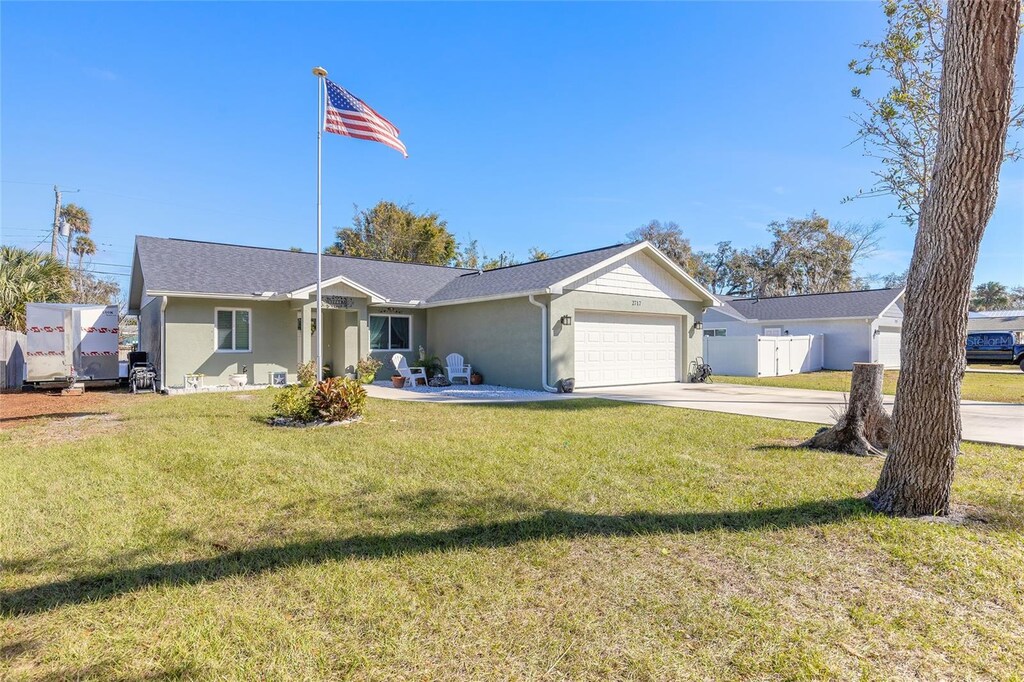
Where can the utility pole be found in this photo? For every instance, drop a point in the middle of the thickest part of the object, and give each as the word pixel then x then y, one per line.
pixel 56 222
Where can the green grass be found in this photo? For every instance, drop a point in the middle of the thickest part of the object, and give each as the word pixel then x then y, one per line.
pixel 1001 388
pixel 562 540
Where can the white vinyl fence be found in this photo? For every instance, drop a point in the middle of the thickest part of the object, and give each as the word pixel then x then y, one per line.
pixel 764 356
pixel 12 359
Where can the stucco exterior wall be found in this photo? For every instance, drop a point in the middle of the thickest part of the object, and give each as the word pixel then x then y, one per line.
pixel 500 339
pixel 191 341
pixel 563 343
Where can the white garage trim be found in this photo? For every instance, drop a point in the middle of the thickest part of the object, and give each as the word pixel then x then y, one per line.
pixel 614 349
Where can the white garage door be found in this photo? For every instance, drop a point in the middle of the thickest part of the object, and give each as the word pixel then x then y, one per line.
pixel 625 348
pixel 889 347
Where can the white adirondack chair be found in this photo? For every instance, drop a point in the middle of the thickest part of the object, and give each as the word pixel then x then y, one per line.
pixel 409 374
pixel 456 367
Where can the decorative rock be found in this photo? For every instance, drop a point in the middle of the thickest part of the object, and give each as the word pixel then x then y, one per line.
pixel 298 424
pixel 439 381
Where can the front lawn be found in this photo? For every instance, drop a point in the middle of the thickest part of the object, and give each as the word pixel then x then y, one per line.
pixel 989 387
pixel 183 538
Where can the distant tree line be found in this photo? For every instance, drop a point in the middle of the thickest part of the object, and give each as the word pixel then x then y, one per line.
pixel 809 255
pixel 804 256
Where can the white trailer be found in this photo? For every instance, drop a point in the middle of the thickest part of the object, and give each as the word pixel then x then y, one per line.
pixel 62 336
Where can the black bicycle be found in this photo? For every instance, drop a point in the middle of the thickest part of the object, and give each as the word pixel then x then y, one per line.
pixel 700 372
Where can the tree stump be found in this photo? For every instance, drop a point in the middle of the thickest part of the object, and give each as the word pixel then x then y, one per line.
pixel 865 428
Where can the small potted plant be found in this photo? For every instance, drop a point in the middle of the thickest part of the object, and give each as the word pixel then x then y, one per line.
pixel 398 381
pixel 476 378
pixel 239 379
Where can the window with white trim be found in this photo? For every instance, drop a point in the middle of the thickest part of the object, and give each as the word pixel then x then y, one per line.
pixel 773 331
pixel 234 326
pixel 714 332
pixel 390 332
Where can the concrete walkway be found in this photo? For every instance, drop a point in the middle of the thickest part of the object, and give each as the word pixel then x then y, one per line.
pixel 1000 423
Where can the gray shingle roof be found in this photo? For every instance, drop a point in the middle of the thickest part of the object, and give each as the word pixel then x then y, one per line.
pixel 814 306
pixel 181 265
pixel 524 278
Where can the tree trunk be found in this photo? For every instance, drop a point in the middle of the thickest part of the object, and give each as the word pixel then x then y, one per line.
pixel 865 428
pixel 977 87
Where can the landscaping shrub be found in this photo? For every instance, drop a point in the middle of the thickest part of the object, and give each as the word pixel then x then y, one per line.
pixel 295 402
pixel 337 399
pixel 307 373
pixel 366 369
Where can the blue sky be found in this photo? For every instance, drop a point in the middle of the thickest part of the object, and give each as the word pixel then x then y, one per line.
pixel 561 126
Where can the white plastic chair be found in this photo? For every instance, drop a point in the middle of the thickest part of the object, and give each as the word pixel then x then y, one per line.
pixel 456 367
pixel 407 373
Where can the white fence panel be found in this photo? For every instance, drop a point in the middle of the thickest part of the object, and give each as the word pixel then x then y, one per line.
pixel 733 355
pixel 764 356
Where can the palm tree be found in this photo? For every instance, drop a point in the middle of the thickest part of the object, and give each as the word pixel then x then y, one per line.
pixel 84 246
pixel 28 277
pixel 990 296
pixel 78 221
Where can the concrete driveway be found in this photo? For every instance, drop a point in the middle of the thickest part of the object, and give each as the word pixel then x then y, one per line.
pixel 1000 423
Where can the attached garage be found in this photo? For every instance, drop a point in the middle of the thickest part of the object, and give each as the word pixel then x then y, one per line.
pixel 614 348
pixel 888 339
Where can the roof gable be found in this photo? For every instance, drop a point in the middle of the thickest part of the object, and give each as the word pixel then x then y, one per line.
pixel 635 275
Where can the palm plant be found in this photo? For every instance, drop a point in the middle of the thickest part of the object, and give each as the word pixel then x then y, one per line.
pixel 990 296
pixel 78 221
pixel 84 246
pixel 28 277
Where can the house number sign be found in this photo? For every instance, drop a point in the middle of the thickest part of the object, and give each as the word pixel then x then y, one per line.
pixel 338 301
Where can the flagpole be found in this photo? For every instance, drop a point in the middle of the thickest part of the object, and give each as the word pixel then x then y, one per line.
pixel 320 74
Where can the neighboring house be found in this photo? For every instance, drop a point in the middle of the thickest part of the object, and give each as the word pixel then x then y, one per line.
pixel 624 314
pixel 858 326
pixel 996 321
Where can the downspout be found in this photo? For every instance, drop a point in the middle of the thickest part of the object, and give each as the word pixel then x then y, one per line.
pixel 543 345
pixel 163 343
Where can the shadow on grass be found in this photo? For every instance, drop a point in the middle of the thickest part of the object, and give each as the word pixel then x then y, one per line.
pixel 51 415
pixel 543 526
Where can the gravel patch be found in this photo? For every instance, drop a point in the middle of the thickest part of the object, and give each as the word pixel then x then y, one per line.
pixel 478 392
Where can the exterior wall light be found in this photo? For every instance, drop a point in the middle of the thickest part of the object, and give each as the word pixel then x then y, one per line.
pixel 698 325
pixel 566 320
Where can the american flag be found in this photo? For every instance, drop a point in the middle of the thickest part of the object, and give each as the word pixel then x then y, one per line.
pixel 348 115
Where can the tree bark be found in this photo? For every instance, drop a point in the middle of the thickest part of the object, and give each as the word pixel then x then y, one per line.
pixel 976 92
pixel 865 428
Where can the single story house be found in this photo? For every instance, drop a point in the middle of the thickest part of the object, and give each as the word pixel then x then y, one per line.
pixel 858 326
pixel 996 321
pixel 623 314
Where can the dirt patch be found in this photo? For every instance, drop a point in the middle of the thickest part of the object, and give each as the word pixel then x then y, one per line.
pixel 18 409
